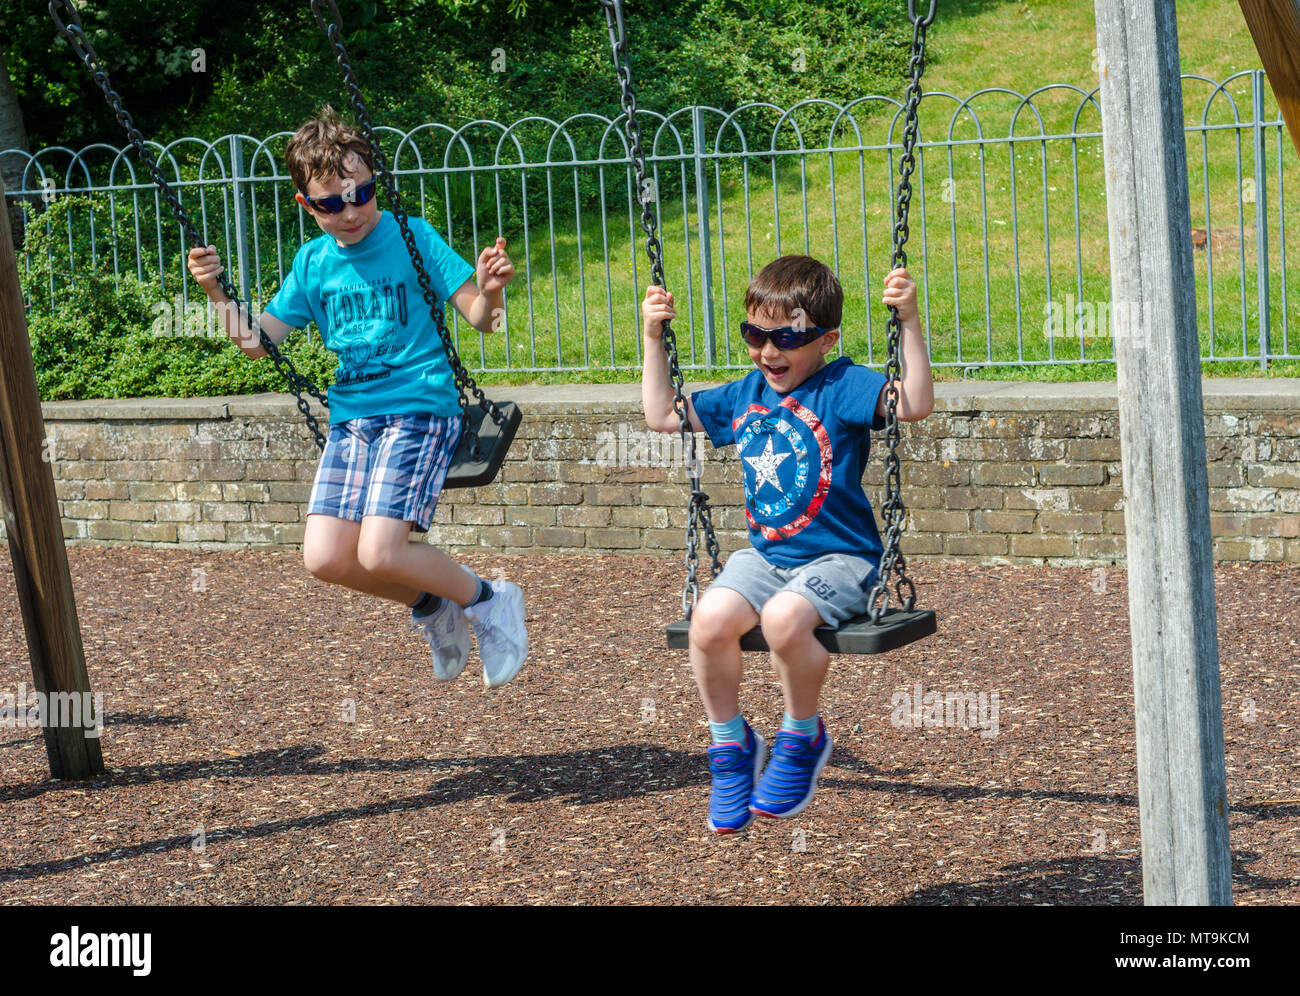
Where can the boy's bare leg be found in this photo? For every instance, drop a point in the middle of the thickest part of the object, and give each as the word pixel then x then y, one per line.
pixel 720 619
pixel 801 661
pixel 329 552
pixel 386 554
pixel 330 549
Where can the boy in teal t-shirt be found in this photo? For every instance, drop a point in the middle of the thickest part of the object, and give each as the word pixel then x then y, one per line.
pixel 395 413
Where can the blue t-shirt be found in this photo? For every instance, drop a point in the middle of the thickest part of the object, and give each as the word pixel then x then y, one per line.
pixel 802 454
pixel 366 301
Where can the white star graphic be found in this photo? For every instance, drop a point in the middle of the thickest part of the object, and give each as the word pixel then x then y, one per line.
pixel 765 465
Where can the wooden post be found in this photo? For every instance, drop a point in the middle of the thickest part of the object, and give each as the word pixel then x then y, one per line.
pixel 36 545
pixel 1275 26
pixel 1181 782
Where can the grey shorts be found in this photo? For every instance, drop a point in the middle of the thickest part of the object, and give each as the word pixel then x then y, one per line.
pixel 837 585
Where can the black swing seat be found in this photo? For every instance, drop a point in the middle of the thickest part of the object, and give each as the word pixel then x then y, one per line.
pixel 494 440
pixel 897 628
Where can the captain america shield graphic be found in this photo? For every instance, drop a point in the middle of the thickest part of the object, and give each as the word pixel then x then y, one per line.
pixel 785 453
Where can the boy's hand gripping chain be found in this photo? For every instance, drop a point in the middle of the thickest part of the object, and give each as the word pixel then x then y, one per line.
pixel 699 512
pixel 65 18
pixel 334 33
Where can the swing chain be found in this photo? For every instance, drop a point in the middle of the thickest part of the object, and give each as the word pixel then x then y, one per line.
pixel 699 513
pixel 464 382
pixel 893 510
pixel 69 25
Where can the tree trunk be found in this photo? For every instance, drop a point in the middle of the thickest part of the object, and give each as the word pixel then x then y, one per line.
pixel 13 135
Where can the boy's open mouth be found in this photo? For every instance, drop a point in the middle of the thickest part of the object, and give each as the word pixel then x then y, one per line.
pixel 776 370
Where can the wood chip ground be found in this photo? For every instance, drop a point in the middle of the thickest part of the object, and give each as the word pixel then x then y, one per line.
pixel 235 778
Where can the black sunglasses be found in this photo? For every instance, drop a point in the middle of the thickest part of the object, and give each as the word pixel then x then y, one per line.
pixel 335 203
pixel 786 337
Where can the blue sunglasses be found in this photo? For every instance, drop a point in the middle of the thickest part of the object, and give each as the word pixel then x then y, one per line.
pixel 335 203
pixel 786 337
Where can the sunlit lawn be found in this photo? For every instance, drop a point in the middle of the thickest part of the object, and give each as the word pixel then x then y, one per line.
pixel 999 242
pixel 995 234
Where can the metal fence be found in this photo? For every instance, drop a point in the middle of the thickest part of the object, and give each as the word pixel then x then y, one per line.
pixel 1008 246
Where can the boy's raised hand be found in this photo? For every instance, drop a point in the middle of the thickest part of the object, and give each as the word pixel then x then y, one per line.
pixel 900 291
pixel 205 266
pixel 656 309
pixel 494 269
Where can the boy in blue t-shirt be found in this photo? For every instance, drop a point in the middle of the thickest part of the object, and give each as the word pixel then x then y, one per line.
pixel 801 427
pixel 395 413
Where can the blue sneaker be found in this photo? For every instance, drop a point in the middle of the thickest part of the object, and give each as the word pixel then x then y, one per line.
pixel 787 784
pixel 735 770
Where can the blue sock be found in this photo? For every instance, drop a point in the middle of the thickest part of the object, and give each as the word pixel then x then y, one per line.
pixel 426 604
pixel 808 727
pixel 730 732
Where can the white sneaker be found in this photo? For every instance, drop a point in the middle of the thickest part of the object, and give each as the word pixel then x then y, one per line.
pixel 502 637
pixel 448 635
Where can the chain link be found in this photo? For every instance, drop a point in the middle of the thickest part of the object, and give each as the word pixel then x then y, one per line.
pixel 65 18
pixel 700 515
pixel 893 510
pixel 464 382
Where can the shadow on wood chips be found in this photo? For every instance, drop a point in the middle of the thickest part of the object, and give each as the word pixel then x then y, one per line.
pixel 271 739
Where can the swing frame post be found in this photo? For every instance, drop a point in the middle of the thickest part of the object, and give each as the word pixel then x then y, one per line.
pixel 1275 27
pixel 36 545
pixel 1182 795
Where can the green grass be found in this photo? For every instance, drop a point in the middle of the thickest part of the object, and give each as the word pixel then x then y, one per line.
pixel 584 316
pixel 970 282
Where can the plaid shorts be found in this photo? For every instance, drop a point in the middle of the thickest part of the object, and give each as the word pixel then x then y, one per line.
pixel 389 465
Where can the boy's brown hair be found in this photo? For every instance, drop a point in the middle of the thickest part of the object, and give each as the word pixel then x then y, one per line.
pixel 320 147
pixel 792 282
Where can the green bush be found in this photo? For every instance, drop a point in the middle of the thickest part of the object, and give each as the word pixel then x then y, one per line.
pixel 555 63
pixel 95 334
pixel 420 62
pixel 110 336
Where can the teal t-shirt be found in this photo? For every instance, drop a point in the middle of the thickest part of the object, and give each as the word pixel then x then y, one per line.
pixel 366 301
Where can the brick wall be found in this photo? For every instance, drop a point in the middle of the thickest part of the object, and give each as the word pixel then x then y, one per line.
pixel 1001 472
